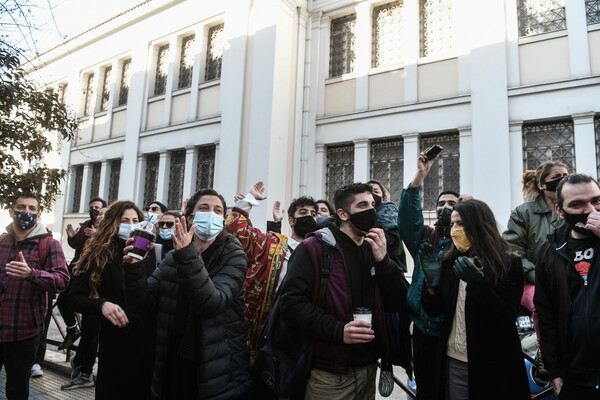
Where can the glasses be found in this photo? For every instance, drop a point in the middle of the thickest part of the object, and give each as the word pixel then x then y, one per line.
pixel 166 224
pixel 154 208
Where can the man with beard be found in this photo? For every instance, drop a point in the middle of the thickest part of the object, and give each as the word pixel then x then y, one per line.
pixel 426 329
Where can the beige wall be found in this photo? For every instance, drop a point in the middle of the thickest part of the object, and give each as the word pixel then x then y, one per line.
pixel 84 134
pixel 594 44
pixel 100 127
pixel 119 120
pixel 208 101
pixel 386 89
pixel 156 114
pixel 546 60
pixel 180 108
pixel 340 97
pixel 438 79
pixel 70 252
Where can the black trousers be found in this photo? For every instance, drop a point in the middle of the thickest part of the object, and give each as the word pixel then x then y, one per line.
pixel 17 359
pixel 88 343
pixel 41 349
pixel 65 311
pixel 425 348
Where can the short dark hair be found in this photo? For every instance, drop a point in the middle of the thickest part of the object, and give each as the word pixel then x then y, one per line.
pixel 175 214
pixel 189 207
pixel 573 179
pixel 452 192
pixel 163 208
pixel 344 196
pixel 300 202
pixel 94 199
pixel 329 206
pixel 26 195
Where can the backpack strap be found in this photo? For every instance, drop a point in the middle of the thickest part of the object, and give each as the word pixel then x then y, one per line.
pixel 325 271
pixel 44 249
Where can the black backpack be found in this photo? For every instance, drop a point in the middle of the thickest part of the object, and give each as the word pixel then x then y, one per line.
pixel 284 358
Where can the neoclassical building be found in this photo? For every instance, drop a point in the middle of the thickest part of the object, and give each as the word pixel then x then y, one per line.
pixel 307 95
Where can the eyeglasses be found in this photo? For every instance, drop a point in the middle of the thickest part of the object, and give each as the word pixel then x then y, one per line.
pixel 166 224
pixel 154 208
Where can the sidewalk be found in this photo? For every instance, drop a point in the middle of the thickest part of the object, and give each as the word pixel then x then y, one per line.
pixel 47 387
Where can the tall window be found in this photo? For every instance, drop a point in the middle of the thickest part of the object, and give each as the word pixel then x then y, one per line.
pixel 205 170
pixel 151 182
pixel 176 179
pixel 105 89
pixel 77 182
pixel 96 170
pixel 162 69
pixel 214 53
pixel 592 10
pixel 89 92
pixel 386 31
pixel 387 165
pixel 125 77
pixel 436 27
pixel 549 141
pixel 115 176
pixel 340 168
pixel 62 92
pixel 541 16
pixel 445 173
pixel 342 43
pixel 597 129
pixel 186 63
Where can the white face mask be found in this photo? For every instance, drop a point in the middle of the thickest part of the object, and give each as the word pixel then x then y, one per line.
pixel 124 231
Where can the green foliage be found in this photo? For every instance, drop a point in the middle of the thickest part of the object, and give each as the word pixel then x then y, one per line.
pixel 28 117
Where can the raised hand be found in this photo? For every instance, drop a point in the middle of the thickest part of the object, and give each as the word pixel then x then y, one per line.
pixel 431 264
pixel 238 197
pixel 182 237
pixel 376 238
pixel 70 231
pixel 278 212
pixel 257 190
pixel 468 271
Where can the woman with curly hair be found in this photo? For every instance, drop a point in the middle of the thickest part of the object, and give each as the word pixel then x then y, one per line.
pixel 126 340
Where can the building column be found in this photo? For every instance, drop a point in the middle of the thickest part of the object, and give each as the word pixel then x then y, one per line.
pixel 189 178
pixel 512 43
pixel 141 183
pixel 466 159
pixel 197 72
pixel 363 57
pixel 104 180
pixel 585 144
pixel 323 64
pixel 162 187
pixel 319 189
pixel 411 155
pixel 173 56
pixel 86 188
pixel 579 51
pixel 411 51
pixel 70 190
pixel 515 137
pixel 362 160
pixel 114 89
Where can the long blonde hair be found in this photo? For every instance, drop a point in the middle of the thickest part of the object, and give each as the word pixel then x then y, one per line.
pixel 102 247
pixel 532 178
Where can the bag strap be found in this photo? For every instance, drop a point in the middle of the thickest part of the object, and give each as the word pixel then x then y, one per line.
pixel 325 271
pixel 44 249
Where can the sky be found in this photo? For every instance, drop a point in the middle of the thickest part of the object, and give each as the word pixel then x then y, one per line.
pixel 53 21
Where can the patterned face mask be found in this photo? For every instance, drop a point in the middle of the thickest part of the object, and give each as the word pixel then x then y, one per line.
pixel 24 220
pixel 460 239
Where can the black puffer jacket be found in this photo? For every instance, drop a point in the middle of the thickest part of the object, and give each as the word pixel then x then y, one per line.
pixel 198 301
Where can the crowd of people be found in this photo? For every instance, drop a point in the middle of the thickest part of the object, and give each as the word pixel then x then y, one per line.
pixel 186 318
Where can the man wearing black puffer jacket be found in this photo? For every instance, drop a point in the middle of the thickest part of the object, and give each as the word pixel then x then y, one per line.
pixel 567 291
pixel 197 296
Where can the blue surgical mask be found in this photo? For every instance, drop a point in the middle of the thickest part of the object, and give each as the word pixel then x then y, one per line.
pixel 124 231
pixel 151 217
pixel 166 233
pixel 208 225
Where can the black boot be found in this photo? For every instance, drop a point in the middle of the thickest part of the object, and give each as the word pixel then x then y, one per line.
pixel 72 335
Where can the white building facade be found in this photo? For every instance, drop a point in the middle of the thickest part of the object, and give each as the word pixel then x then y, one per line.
pixel 174 96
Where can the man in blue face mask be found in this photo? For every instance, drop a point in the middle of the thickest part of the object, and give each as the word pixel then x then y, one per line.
pixel 32 263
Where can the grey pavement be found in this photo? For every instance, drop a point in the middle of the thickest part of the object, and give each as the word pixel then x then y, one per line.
pixel 47 387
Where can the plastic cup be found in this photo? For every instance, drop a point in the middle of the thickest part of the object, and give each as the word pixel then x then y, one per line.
pixel 141 241
pixel 363 314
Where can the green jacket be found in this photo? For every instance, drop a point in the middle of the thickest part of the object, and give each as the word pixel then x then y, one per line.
pixel 528 227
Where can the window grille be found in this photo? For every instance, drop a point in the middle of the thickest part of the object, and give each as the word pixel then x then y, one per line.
pixel 386 34
pixel 205 170
pixel 214 53
pixel 115 176
pixel 162 69
pixel 541 16
pixel 151 181
pixel 592 10
pixel 186 64
pixel 436 27
pixel 95 190
pixel 445 172
pixel 340 168
pixel 125 76
pixel 548 141
pixel 387 165
pixel 176 179
pixel 105 89
pixel 342 44
pixel 62 92
pixel 89 92
pixel 597 129
pixel 77 182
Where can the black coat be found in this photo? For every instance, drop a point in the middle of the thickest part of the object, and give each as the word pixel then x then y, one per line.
pixel 198 302
pixel 125 355
pixel 496 366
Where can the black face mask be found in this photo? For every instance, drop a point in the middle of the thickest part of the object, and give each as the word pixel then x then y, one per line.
pixel 94 215
pixel 444 215
pixel 304 225
pixel 24 220
pixel 378 199
pixel 577 222
pixel 552 185
pixel 364 220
